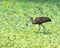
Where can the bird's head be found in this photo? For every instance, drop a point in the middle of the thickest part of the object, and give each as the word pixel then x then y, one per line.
pixel 31 18
pixel 26 24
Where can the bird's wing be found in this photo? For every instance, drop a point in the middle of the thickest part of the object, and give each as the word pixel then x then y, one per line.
pixel 37 19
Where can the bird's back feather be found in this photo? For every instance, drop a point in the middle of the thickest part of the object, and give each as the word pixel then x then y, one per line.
pixel 42 20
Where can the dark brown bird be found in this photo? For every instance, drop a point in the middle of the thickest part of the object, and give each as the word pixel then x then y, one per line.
pixel 39 20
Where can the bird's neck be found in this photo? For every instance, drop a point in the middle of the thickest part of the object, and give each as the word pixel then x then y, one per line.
pixel 33 22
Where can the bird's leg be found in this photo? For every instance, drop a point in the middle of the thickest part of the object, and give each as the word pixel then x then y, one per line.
pixel 39 28
pixel 43 28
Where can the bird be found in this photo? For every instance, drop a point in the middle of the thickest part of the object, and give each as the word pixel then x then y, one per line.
pixel 39 21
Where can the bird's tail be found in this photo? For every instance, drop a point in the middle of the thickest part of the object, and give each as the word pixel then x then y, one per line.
pixel 49 19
